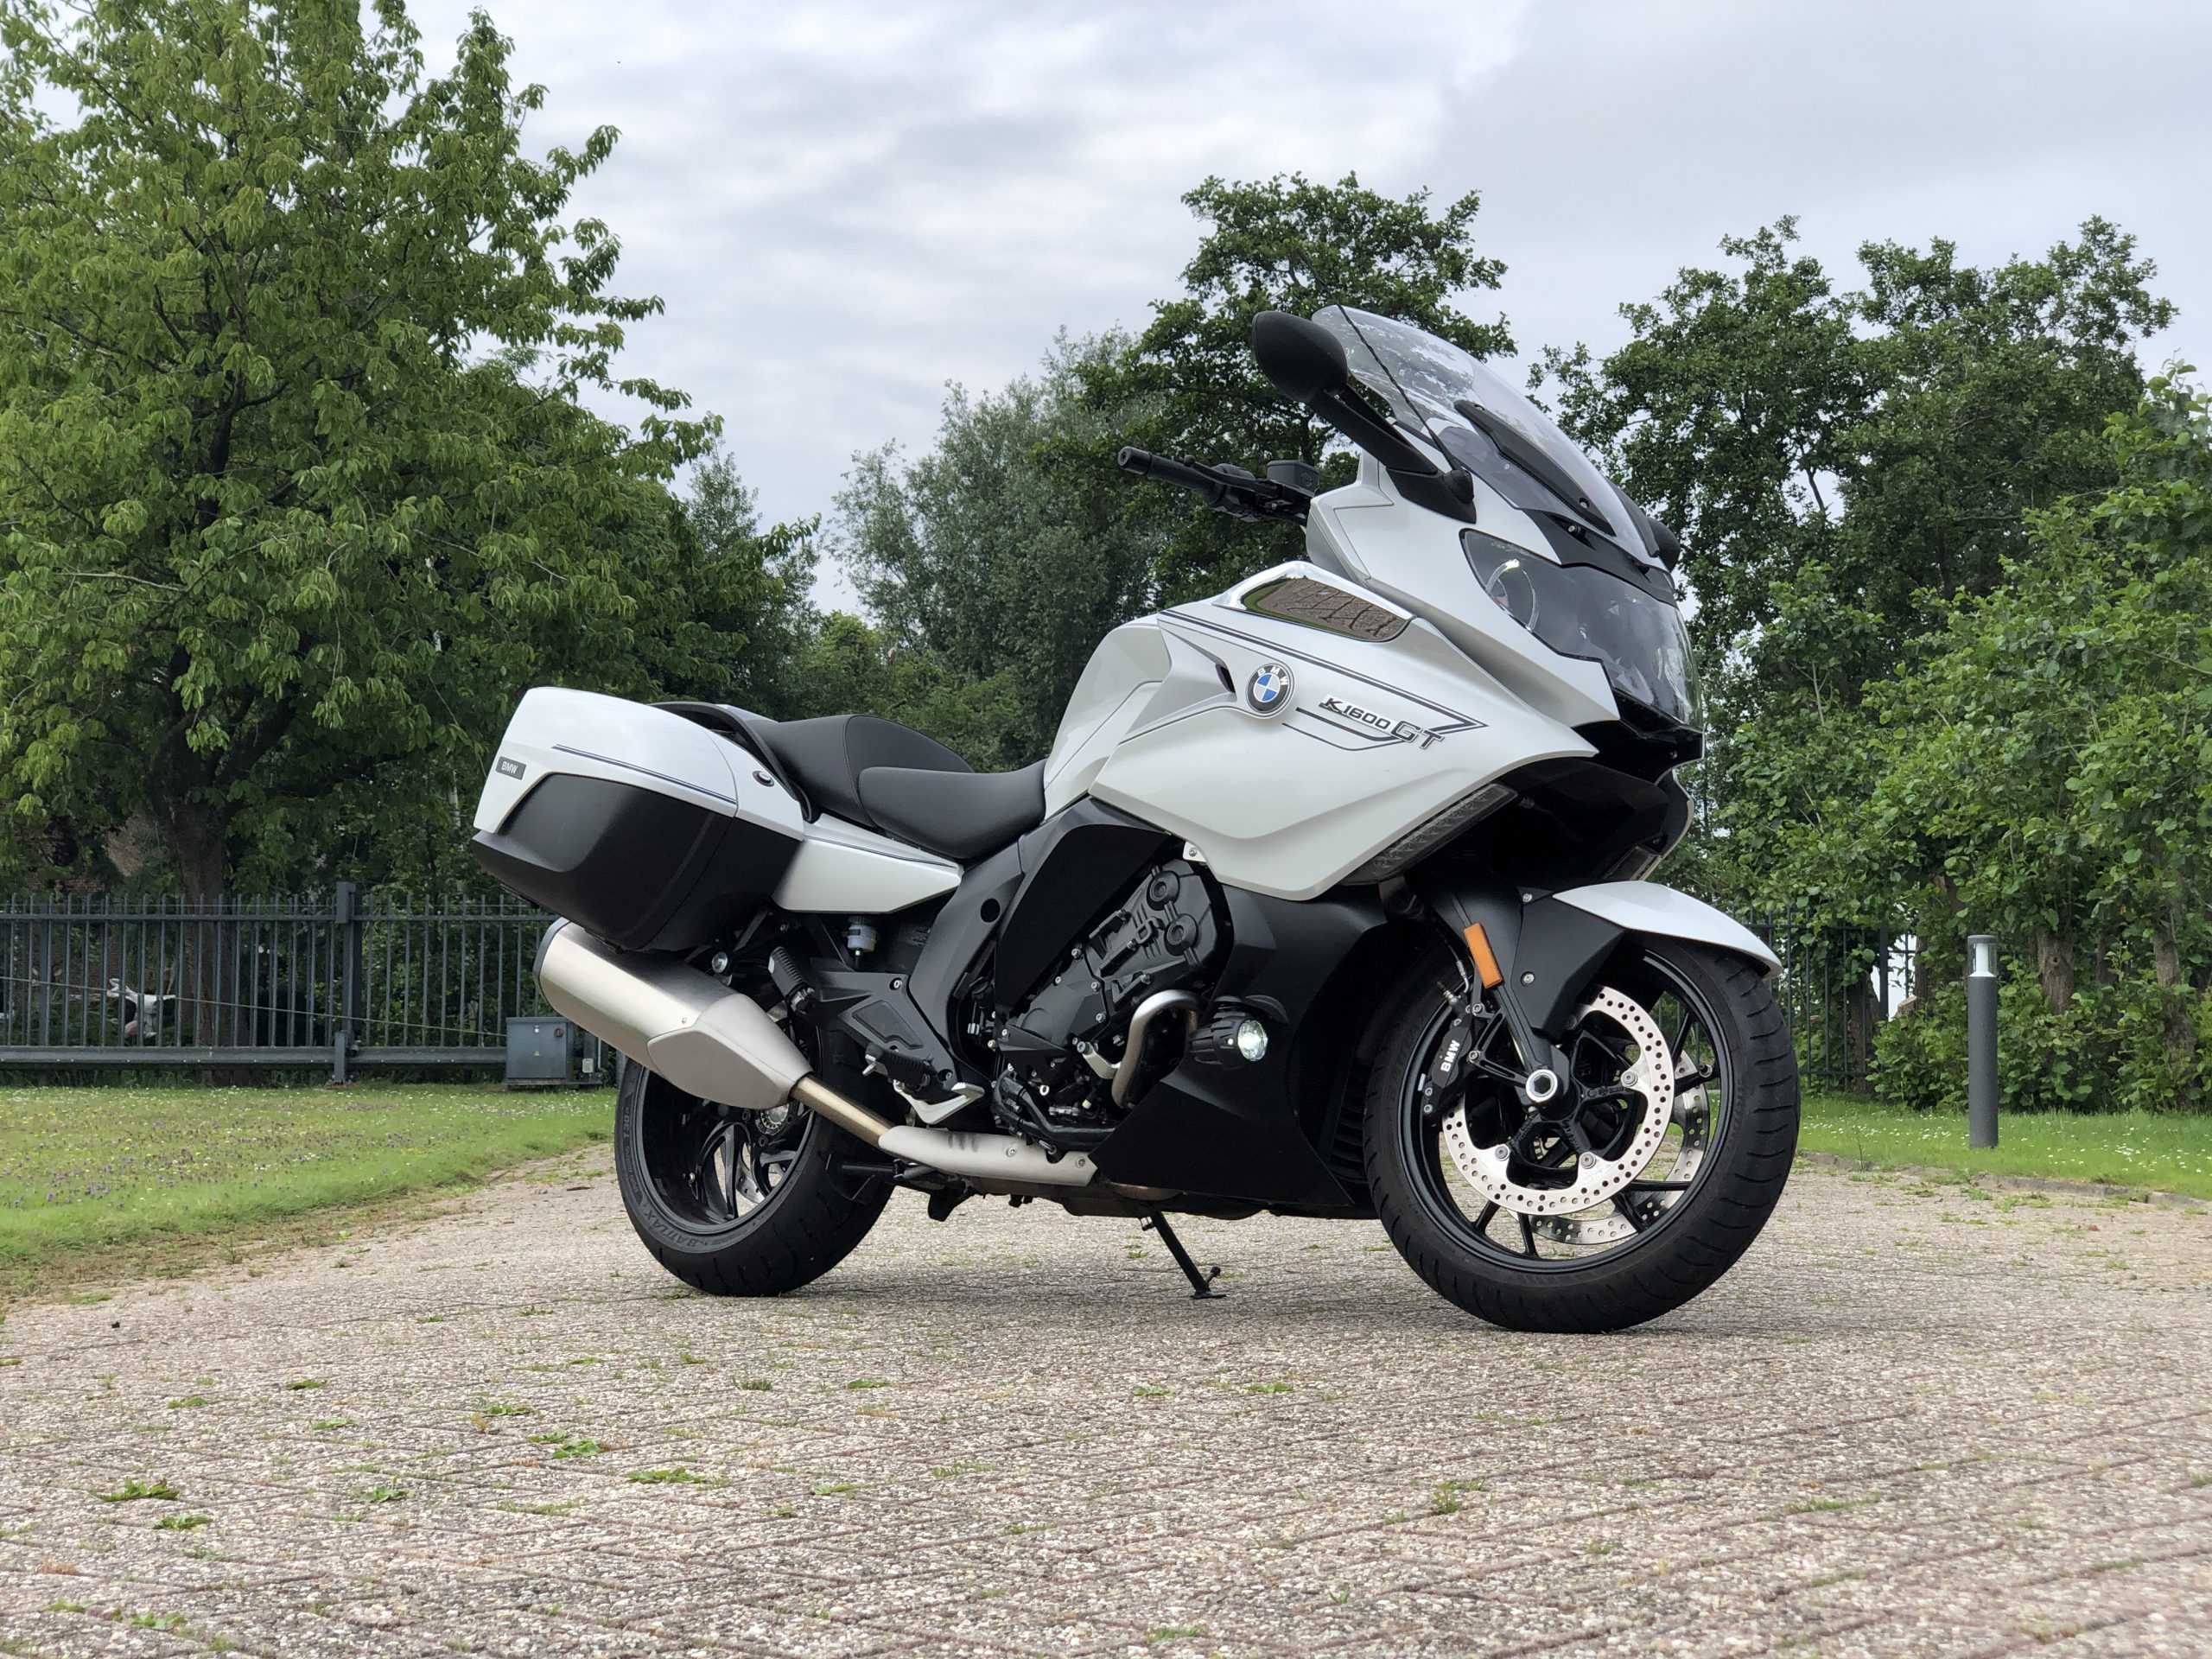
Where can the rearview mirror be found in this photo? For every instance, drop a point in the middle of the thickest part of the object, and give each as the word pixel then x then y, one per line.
pixel 1307 363
pixel 1304 360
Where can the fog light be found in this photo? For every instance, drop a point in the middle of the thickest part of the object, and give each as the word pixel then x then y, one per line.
pixel 1252 1040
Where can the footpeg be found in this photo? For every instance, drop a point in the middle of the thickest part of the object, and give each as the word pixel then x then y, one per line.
pixel 1201 1288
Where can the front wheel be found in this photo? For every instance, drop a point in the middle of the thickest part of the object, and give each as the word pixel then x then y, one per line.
pixel 739 1202
pixel 1626 1192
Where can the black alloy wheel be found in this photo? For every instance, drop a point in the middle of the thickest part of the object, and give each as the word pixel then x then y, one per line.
pixel 1621 1195
pixel 740 1203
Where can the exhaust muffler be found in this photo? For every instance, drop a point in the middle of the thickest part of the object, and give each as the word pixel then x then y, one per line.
pixel 689 1028
pixel 721 1045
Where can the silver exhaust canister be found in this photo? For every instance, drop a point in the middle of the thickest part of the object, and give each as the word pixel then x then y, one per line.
pixel 719 1044
pixel 689 1028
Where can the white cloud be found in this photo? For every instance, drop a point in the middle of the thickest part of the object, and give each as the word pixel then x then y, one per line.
pixel 845 205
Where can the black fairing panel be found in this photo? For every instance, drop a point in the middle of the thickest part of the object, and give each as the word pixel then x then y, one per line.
pixel 1076 864
pixel 641 870
pixel 1225 1128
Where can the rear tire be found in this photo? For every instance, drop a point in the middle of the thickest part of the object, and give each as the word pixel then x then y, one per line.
pixel 804 1214
pixel 1677 1250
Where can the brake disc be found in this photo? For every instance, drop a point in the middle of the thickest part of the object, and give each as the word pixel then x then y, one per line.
pixel 1596 1178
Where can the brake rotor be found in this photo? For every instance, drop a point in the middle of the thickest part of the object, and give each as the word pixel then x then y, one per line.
pixel 1596 1178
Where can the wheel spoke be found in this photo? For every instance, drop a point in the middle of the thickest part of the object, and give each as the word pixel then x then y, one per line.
pixel 1483 1221
pixel 1527 1236
pixel 1641 1186
pixel 1627 1207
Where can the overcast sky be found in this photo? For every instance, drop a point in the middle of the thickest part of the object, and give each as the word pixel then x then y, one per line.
pixel 847 205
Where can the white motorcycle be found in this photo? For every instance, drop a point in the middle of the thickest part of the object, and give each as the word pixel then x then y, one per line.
pixel 1329 900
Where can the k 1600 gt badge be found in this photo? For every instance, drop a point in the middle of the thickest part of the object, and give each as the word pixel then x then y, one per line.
pixel 1269 690
pixel 1382 725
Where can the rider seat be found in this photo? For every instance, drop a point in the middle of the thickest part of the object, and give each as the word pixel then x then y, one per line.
pixel 888 777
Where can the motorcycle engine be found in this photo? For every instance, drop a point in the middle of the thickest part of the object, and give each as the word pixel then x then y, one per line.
pixel 1057 1051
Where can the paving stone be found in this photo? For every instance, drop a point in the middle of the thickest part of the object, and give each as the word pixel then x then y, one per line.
pixel 1913 1421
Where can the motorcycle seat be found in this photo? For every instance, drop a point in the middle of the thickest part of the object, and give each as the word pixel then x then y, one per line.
pixel 825 757
pixel 959 815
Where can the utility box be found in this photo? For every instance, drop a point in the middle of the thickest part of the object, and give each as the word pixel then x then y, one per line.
pixel 543 1054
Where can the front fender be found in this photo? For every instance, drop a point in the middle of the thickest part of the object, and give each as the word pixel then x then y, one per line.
pixel 1548 947
pixel 1647 907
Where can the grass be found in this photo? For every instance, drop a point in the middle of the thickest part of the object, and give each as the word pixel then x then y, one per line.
pixel 114 1181
pixel 2165 1155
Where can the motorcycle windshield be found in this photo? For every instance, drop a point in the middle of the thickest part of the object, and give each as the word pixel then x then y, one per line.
pixel 1435 387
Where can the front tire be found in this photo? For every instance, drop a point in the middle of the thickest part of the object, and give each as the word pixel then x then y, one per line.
pixel 736 1202
pixel 1481 1191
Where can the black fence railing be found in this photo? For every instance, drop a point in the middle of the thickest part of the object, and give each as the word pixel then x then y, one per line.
pixel 349 981
pixel 1836 987
pixel 353 981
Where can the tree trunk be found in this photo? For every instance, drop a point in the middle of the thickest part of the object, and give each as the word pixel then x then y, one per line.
pixel 2180 1032
pixel 192 834
pixel 2054 970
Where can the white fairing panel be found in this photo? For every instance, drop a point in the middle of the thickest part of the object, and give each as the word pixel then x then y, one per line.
pixel 1128 661
pixel 584 734
pixel 1647 907
pixel 841 866
pixel 1373 737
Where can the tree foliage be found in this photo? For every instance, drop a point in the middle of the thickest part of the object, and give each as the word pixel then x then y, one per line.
pixel 296 483
pixel 1000 552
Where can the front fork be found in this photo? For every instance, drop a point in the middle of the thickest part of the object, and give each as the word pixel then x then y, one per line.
pixel 1533 958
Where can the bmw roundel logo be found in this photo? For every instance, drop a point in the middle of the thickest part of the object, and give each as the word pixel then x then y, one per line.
pixel 1269 690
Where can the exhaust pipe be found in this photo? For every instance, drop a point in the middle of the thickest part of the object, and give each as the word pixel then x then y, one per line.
pixel 689 1028
pixel 721 1045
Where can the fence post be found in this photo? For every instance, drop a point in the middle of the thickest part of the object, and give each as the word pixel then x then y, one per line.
pixel 1982 1040
pixel 346 917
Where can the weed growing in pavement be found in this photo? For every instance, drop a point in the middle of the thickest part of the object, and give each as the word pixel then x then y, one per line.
pixel 301 1384
pixel 188 1401
pixel 183 1523
pixel 868 1383
pixel 383 1493
pixel 756 1385
pixel 569 1445
pixel 1268 1387
pixel 951 1470
pixel 1826 1505
pixel 1172 1633
pixel 1141 1392
pixel 834 1489
pixel 679 1476
pixel 541 1509
pixel 335 1422
pixel 67 1607
pixel 135 1487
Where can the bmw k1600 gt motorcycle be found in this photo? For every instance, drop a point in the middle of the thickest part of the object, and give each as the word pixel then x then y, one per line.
pixel 1328 901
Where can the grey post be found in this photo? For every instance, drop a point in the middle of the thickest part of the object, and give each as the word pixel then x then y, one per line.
pixel 345 953
pixel 1982 1040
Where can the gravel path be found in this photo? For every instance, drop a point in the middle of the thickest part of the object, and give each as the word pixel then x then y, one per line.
pixel 1916 1421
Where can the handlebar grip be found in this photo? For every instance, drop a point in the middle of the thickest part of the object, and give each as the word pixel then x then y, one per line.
pixel 1145 464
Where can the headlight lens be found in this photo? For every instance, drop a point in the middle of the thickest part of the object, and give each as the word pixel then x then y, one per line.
pixel 1581 611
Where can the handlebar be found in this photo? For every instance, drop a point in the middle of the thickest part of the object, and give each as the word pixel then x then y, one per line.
pixel 1225 489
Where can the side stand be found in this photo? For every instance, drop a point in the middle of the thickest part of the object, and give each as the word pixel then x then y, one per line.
pixel 1201 1288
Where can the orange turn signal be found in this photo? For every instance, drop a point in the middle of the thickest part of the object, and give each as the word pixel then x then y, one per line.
pixel 1485 958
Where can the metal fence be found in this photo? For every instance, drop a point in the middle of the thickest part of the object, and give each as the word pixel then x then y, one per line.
pixel 355 980
pixel 347 981
pixel 1836 987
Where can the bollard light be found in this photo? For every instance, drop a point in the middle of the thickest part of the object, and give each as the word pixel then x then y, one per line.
pixel 1982 1040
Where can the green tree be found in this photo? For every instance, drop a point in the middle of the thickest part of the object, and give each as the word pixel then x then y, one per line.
pixel 2044 773
pixel 1843 467
pixel 1002 553
pixel 1188 388
pixel 296 486
pixel 756 605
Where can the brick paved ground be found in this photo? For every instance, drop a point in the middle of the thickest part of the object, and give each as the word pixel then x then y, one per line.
pixel 1912 1422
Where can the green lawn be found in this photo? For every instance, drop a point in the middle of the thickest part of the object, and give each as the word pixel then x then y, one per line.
pixel 2167 1155
pixel 134 1177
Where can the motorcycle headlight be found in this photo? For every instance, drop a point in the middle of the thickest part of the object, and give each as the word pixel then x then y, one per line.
pixel 1581 611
